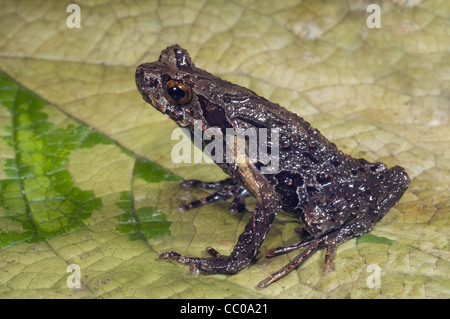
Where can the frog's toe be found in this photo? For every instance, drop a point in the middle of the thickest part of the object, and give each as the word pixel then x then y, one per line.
pixel 224 190
pixel 311 247
pixel 215 264
pixel 217 196
pixel 180 258
pixel 285 249
pixel 204 185
pixel 329 258
pixel 212 252
pixel 238 205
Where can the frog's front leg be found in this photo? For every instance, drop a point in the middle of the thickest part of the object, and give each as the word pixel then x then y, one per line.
pixel 248 243
pixel 224 190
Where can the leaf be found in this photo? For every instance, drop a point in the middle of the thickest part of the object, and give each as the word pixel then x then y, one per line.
pixel 39 192
pixel 369 238
pixel 143 223
pixel 85 166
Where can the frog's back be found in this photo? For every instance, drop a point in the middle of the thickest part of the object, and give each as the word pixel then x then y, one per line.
pixel 310 166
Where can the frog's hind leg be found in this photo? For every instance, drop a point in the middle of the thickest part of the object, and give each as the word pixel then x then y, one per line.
pixel 311 245
pixel 285 249
pixel 224 190
pixel 329 258
pixel 330 241
pixel 355 227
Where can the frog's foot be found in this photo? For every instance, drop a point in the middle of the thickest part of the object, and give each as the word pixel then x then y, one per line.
pixel 330 241
pixel 310 245
pixel 215 264
pixel 224 190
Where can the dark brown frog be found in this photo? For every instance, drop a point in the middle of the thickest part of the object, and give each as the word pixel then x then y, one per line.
pixel 336 196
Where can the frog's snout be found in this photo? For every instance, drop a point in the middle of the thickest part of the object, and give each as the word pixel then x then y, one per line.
pixel 140 80
pixel 138 77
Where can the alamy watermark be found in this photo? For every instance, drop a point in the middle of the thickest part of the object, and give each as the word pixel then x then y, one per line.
pixel 74 19
pixel 239 146
pixel 374 19
pixel 74 279
pixel 374 279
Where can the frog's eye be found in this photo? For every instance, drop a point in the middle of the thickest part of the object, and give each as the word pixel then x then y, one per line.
pixel 178 93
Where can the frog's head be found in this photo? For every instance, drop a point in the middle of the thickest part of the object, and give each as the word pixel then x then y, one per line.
pixel 171 85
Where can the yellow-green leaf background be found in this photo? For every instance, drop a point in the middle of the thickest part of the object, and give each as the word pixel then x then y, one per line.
pixel 382 94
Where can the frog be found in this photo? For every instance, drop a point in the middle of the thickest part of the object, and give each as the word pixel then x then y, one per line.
pixel 336 197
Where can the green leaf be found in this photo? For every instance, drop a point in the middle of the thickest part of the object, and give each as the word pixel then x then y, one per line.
pixel 39 193
pixel 153 173
pixel 95 138
pixel 143 223
pixel 369 238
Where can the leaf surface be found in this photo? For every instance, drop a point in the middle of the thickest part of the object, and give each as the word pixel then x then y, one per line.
pixel 86 175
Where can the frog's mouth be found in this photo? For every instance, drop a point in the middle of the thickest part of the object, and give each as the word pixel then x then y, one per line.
pixel 174 114
pixel 147 98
